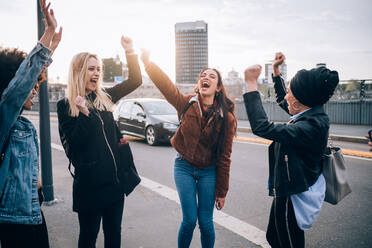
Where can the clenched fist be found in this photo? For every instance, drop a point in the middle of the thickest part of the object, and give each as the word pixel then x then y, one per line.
pixel 279 59
pixel 126 43
pixel 251 75
pixel 81 105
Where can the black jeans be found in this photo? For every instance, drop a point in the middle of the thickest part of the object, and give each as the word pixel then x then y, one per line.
pixel 24 236
pixel 111 222
pixel 283 231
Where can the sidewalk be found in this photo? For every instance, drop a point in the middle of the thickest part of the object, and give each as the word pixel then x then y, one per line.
pixel 338 132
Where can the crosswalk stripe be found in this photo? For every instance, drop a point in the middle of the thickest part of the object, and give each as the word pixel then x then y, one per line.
pixel 243 229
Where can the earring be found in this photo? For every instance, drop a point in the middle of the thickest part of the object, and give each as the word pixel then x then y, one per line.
pixel 294 107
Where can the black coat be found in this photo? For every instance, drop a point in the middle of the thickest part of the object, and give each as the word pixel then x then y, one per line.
pixel 295 155
pixel 92 145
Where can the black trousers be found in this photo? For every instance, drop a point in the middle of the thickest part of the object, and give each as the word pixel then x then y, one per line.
pixel 24 236
pixel 283 231
pixel 111 223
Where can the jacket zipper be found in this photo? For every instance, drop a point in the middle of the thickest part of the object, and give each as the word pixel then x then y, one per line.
pixel 108 145
pixel 275 219
pixel 286 163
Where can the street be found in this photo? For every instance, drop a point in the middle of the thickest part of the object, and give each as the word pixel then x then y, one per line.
pixel 152 220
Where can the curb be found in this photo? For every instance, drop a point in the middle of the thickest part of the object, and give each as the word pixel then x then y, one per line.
pixel 349 152
pixel 334 137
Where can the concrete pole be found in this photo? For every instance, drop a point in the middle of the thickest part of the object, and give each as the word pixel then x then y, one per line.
pixel 44 124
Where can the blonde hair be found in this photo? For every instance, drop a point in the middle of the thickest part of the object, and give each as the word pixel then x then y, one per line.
pixel 76 85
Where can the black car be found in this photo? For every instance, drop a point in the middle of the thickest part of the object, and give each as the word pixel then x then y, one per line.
pixel 152 119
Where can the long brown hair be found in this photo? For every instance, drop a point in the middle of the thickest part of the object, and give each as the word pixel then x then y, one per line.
pixel 224 103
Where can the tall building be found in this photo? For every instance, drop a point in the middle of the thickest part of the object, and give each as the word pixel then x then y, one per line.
pixel 269 70
pixel 191 50
pixel 321 64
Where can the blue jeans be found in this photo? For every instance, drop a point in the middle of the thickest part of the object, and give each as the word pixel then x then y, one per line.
pixel 195 189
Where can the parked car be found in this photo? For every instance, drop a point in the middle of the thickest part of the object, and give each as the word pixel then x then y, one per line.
pixel 152 119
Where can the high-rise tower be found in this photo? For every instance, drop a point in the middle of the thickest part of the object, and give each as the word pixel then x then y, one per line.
pixel 191 50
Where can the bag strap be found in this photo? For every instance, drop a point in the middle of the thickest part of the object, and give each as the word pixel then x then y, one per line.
pixel 69 168
pixel 2 155
pixel 185 109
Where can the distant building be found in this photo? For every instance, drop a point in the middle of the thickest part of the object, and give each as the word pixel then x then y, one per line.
pixel 321 64
pixel 234 85
pixel 269 71
pixel 191 50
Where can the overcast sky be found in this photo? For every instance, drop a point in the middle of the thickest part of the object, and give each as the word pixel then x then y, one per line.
pixel 241 32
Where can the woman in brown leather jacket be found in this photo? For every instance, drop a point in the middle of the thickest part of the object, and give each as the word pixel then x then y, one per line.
pixel 203 142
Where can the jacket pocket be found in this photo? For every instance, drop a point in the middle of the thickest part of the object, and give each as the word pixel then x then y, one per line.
pixel 21 142
pixel 7 196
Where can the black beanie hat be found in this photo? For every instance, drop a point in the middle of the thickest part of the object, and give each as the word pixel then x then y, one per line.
pixel 314 87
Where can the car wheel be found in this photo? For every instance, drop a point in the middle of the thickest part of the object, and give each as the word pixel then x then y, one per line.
pixel 151 138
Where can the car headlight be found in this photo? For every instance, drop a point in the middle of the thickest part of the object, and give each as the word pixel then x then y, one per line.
pixel 168 125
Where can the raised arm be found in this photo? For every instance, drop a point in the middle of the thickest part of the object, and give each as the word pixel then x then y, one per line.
pixel 27 74
pixel 164 84
pixel 279 85
pixel 134 79
pixel 300 133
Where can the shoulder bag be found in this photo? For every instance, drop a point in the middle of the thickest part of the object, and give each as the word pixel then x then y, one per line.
pixel 335 174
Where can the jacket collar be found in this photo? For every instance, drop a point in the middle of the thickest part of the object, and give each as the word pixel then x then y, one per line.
pixel 313 111
pixel 195 98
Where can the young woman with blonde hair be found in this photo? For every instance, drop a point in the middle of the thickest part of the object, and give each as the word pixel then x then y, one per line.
pixel 90 138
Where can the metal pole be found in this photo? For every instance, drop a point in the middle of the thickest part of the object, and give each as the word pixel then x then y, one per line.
pixel 44 124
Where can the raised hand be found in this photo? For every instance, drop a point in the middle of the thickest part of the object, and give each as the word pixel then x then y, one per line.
pixel 81 105
pixel 126 43
pixel 56 39
pixel 145 56
pixel 50 23
pixel 279 59
pixel 48 15
pixel 251 75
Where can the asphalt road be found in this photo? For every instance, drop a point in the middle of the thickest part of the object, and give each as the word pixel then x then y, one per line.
pixel 151 220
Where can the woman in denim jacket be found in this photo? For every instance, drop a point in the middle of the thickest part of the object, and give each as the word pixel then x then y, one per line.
pixel 21 220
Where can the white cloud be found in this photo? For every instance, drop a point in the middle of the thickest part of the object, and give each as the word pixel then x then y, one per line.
pixel 241 32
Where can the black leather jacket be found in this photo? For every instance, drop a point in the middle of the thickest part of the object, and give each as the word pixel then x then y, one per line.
pixel 295 155
pixel 91 142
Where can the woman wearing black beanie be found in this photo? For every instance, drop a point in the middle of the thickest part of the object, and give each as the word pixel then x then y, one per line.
pixel 295 171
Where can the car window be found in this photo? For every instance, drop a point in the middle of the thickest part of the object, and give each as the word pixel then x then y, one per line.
pixel 160 108
pixel 125 109
pixel 136 109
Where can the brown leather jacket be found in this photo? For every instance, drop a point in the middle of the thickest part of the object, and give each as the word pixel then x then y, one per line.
pixel 194 143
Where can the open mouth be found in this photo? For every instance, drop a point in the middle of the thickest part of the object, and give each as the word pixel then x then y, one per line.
pixel 205 85
pixel 93 80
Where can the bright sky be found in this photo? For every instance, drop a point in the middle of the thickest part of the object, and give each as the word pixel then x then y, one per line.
pixel 241 32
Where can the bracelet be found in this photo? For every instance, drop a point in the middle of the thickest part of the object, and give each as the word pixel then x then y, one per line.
pixel 129 51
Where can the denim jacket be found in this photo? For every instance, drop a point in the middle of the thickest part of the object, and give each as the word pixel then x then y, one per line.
pixel 19 171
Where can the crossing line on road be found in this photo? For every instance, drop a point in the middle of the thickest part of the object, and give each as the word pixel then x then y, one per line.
pixel 243 229
pixel 247 231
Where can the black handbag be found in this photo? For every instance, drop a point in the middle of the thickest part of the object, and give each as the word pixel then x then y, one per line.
pixel 127 173
pixel 334 172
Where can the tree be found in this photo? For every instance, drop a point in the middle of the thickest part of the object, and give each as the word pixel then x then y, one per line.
pixel 111 67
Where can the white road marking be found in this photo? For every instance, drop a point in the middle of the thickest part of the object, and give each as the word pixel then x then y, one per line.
pixel 259 144
pixel 245 230
pixel 250 143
